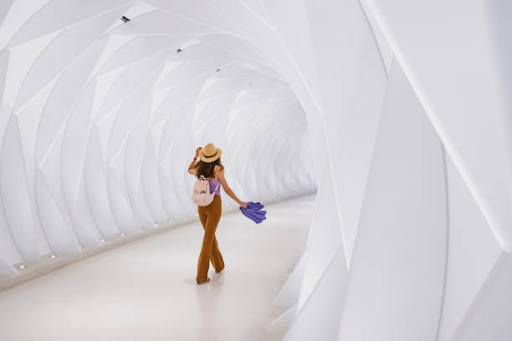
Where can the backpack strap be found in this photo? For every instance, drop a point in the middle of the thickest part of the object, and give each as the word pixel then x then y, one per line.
pixel 218 183
pixel 216 186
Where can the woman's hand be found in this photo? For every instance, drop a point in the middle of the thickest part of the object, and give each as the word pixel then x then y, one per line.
pixel 243 204
pixel 197 151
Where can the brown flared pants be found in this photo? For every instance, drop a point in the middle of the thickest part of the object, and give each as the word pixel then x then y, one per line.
pixel 209 216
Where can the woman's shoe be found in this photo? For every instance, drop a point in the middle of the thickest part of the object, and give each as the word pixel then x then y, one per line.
pixel 207 280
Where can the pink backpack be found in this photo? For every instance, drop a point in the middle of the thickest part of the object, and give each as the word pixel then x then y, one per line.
pixel 201 195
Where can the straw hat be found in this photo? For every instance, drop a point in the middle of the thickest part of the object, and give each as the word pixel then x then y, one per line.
pixel 209 153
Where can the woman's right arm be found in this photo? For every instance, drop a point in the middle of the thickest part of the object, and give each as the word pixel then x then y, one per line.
pixel 193 164
pixel 228 190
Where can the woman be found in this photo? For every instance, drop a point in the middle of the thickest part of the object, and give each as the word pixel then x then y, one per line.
pixel 210 167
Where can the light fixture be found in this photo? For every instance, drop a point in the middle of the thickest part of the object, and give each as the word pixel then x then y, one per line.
pixel 121 234
pixel 155 225
pixel 125 19
pixel 102 240
pixel 53 256
pixel 80 248
pixel 218 70
pixel 22 266
pixel 178 50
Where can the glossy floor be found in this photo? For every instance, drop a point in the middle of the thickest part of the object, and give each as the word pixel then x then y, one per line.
pixel 146 290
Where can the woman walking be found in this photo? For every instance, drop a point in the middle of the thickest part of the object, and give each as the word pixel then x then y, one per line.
pixel 210 167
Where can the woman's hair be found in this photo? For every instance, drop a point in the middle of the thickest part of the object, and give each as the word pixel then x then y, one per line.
pixel 207 169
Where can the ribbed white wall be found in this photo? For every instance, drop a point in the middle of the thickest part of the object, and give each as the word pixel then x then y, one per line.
pixel 400 108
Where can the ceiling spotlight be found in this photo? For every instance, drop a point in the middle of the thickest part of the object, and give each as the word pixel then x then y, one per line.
pixel 53 256
pixel 156 225
pixel 121 234
pixel 22 266
pixel 171 221
pixel 125 19
pixel 102 240
pixel 178 50
pixel 80 248
pixel 218 70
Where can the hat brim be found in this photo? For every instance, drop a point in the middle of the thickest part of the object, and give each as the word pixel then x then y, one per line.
pixel 218 153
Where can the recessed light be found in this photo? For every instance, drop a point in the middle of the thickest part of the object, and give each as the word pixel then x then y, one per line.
pixel 80 248
pixel 53 256
pixel 102 240
pixel 22 266
pixel 121 234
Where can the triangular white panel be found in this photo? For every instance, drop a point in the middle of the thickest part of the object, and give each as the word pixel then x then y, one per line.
pixel 16 195
pixel 97 188
pixel 477 74
pixel 399 262
pixel 57 229
pixel 68 88
pixel 320 316
pixel 120 205
pixel 87 230
pixel 10 22
pixel 9 253
pixel 60 53
pixel 151 184
pixel 20 63
pixel 286 318
pixel 352 82
pixel 489 315
pixel 325 239
pixel 472 253
pixel 75 144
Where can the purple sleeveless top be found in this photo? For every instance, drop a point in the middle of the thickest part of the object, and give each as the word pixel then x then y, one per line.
pixel 213 183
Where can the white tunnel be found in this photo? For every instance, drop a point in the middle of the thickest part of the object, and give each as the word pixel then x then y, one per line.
pixel 397 113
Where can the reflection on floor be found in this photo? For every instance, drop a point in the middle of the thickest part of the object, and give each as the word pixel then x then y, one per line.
pixel 146 290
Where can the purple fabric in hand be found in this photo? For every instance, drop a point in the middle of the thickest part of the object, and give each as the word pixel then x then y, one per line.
pixel 253 212
pixel 254 205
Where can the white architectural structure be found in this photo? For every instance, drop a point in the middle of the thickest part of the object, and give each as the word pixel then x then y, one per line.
pixel 399 111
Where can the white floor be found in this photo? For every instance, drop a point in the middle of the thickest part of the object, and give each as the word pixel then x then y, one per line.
pixel 146 290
